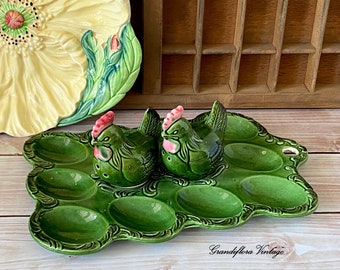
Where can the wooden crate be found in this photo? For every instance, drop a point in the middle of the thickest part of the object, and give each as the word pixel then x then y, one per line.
pixel 247 54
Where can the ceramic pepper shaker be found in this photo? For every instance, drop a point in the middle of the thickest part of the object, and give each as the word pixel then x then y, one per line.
pixel 193 150
pixel 125 157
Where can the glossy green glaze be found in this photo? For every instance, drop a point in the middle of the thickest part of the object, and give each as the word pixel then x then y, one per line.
pixel 252 157
pixel 193 150
pixel 274 191
pixel 125 157
pixel 80 211
pixel 209 202
pixel 151 215
pixel 111 73
pixel 73 224
pixel 67 184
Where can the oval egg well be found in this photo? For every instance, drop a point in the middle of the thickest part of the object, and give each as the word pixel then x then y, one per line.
pixel 60 149
pixel 252 157
pixel 66 184
pixel 143 214
pixel 209 202
pixel 73 224
pixel 274 191
pixel 248 131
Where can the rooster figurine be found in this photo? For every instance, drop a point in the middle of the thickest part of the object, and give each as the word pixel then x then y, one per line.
pixel 123 156
pixel 193 149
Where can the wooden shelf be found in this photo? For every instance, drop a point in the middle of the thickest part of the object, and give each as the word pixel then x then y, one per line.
pixel 331 48
pixel 298 48
pixel 266 48
pixel 170 49
pixel 218 49
pixel 233 48
pixel 297 89
pixel 329 69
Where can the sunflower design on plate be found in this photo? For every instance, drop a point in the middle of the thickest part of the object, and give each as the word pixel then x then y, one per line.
pixel 63 61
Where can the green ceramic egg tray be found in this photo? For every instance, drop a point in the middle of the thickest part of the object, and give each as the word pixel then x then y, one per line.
pixel 77 214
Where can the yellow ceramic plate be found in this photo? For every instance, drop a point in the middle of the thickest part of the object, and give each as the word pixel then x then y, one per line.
pixel 63 61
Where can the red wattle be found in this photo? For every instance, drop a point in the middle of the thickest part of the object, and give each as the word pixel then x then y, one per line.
pixel 169 146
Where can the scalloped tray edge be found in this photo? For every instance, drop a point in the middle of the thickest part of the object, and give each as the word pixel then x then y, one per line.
pixel 113 208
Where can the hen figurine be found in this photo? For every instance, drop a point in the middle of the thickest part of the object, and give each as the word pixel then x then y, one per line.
pixel 123 156
pixel 193 149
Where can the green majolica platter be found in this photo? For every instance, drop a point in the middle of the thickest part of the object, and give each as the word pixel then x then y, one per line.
pixel 78 212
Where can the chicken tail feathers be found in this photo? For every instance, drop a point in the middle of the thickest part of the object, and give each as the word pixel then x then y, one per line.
pixel 217 119
pixel 151 123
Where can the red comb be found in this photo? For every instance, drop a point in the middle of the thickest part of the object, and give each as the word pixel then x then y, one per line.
pixel 103 122
pixel 172 116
